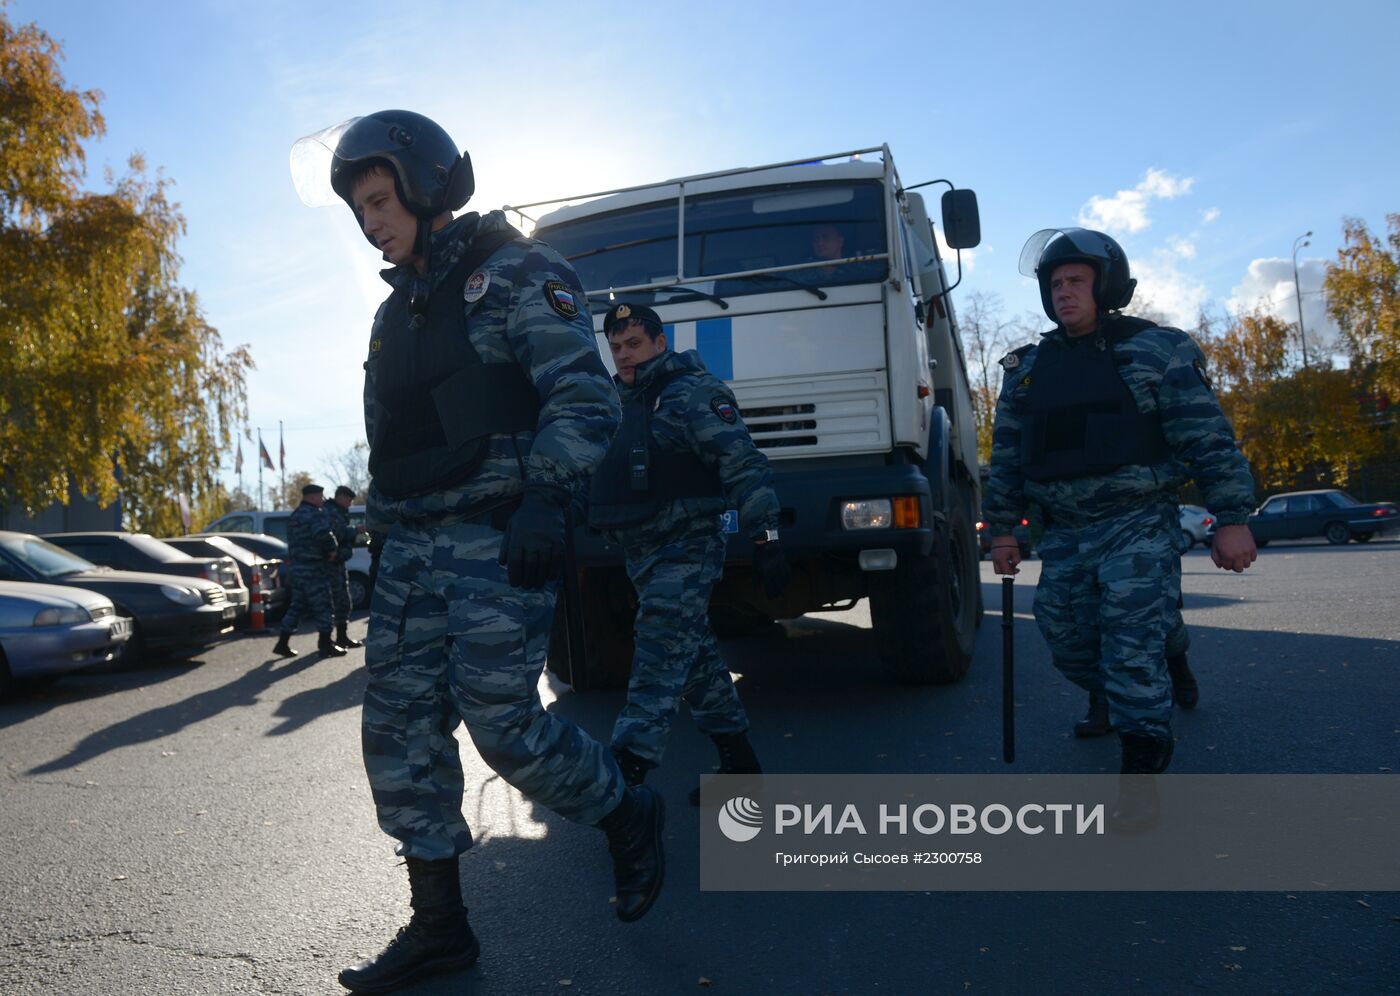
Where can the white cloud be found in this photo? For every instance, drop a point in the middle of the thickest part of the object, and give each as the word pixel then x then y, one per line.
pixel 1164 288
pixel 950 256
pixel 1209 215
pixel 1268 285
pixel 1126 211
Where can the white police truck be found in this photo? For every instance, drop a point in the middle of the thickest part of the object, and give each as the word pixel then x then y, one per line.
pixel 816 290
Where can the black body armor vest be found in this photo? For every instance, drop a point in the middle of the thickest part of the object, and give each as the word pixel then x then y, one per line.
pixel 435 401
pixel 1081 419
pixel 636 475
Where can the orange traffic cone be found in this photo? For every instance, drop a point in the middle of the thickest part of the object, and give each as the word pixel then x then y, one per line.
pixel 255 603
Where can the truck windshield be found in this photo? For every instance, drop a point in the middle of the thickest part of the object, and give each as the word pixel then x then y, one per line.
pixel 731 233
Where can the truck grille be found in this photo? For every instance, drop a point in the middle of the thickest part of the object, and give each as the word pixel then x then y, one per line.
pixel 831 414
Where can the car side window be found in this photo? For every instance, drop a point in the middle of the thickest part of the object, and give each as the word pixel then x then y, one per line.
pixel 277 526
pixel 1275 506
pixel 236 524
pixel 9 572
pixel 1311 503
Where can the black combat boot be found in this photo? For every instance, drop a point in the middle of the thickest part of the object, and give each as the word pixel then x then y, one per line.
pixel 1095 722
pixel 327 646
pixel 1144 757
pixel 342 638
pixel 634 841
pixel 736 757
pixel 634 768
pixel 1185 692
pixel 282 648
pixel 436 939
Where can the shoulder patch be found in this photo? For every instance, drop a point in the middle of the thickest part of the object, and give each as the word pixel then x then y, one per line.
pixel 1012 360
pixel 561 299
pixel 725 409
pixel 475 287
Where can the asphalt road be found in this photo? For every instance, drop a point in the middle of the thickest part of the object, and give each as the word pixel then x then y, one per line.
pixel 205 827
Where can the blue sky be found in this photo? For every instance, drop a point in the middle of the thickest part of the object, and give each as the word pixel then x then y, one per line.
pixel 1205 136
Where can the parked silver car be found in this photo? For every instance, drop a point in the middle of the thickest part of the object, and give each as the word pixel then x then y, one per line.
pixel 1197 526
pixel 49 629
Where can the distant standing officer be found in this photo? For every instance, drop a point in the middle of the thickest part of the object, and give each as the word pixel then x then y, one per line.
pixel 345 533
pixel 487 407
pixel 311 546
pixel 682 456
pixel 1097 425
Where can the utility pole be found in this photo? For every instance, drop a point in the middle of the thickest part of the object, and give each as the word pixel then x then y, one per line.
pixel 1299 293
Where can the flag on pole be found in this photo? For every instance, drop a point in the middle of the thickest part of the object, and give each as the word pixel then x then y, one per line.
pixel 266 456
pixel 282 445
pixel 238 460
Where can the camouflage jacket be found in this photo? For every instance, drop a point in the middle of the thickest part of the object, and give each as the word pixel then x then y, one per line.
pixel 310 535
pixel 696 411
pixel 342 530
pixel 1165 371
pixel 517 319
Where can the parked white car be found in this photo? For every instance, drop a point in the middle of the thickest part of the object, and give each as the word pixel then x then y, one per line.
pixel 1196 526
pixel 50 629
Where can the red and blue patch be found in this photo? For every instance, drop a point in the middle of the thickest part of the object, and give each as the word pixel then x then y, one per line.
pixel 561 299
pixel 722 407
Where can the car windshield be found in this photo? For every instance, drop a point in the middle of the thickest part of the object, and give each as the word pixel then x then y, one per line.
pixel 44 558
pixel 731 233
pixel 157 550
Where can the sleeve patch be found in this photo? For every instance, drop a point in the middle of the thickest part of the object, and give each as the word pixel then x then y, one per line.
pixel 561 299
pixel 722 407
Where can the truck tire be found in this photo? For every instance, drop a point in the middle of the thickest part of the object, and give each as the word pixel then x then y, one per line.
pixel 925 610
pixel 609 609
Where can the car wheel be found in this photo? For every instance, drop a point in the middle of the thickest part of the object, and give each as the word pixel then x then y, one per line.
pixel 1187 541
pixel 359 590
pixel 1261 543
pixel 1363 537
pixel 1337 533
pixel 6 679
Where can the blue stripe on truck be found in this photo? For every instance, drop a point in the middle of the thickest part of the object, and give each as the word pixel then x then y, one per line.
pixel 714 340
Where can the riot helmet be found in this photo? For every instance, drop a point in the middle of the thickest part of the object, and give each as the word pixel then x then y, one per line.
pixel 1052 247
pixel 430 175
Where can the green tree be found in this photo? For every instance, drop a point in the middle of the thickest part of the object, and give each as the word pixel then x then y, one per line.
pixel 1363 298
pixel 113 380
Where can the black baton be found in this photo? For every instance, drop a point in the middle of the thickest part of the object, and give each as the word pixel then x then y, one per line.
pixel 1008 692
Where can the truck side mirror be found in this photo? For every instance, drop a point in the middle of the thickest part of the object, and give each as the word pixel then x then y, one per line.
pixel 962 227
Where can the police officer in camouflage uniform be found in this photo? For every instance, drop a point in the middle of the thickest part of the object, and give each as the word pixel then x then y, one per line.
pixel 681 457
pixel 311 546
pixel 486 407
pixel 339 510
pixel 1098 424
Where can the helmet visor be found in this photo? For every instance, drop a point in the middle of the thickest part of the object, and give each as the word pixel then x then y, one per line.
pixel 311 165
pixel 1080 242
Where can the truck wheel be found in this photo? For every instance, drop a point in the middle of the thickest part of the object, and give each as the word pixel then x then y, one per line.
pixel 609 609
pixel 925 610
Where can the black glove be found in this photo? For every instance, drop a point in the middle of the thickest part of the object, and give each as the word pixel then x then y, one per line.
pixel 771 567
pixel 533 545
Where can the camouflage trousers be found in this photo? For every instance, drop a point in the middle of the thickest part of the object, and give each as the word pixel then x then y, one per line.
pixel 450 641
pixel 340 593
pixel 676 654
pixel 311 597
pixel 1106 600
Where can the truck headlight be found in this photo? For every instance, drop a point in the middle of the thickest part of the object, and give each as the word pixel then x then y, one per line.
pixel 180 595
pixel 60 617
pixel 869 513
